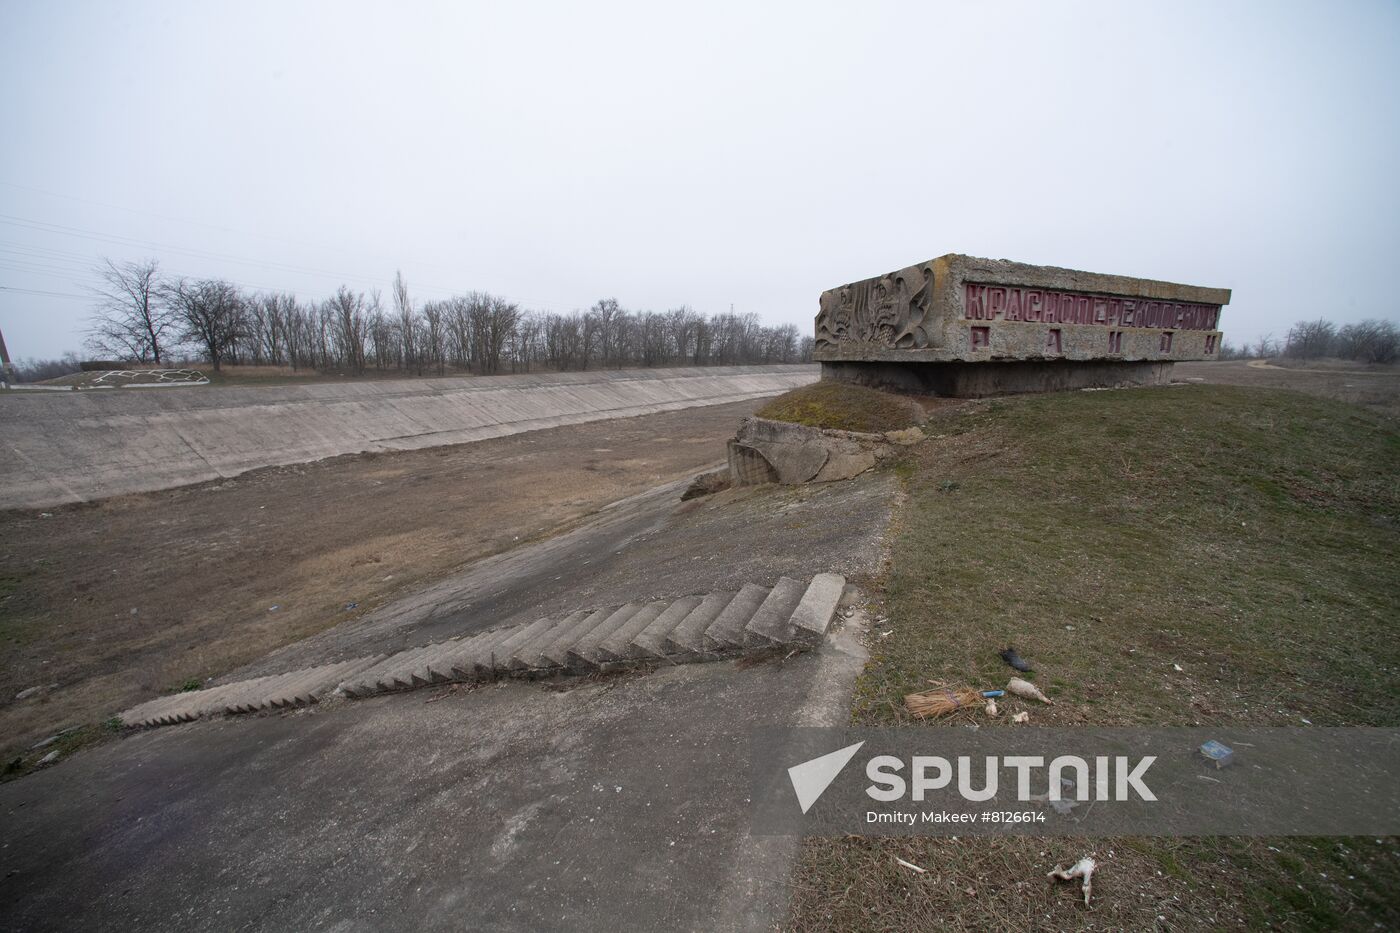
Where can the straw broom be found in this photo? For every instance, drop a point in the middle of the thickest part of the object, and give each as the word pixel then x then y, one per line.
pixel 944 700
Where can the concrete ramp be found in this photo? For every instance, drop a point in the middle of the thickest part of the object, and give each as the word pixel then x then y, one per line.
pixel 66 447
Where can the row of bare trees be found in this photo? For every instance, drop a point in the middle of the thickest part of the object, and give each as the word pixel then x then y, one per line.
pixel 144 317
pixel 1369 341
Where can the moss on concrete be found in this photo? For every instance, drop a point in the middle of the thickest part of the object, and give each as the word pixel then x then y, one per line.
pixel 843 407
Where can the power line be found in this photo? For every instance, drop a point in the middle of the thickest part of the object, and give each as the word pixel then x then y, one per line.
pixel 117 239
pixel 35 291
pixel 210 255
pixel 169 219
pixel 323 247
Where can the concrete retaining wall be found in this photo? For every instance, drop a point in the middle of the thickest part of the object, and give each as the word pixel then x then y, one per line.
pixel 67 447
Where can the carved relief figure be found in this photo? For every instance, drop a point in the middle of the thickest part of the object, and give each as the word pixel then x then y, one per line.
pixel 888 311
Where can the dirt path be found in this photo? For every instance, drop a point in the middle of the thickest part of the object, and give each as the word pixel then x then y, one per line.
pixel 116 599
pixel 1377 389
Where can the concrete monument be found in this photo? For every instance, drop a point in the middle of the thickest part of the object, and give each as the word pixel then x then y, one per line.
pixel 959 325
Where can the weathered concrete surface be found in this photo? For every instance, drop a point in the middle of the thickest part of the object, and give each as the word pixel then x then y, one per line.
pixel 550 645
pixel 962 308
pixel 646 546
pixel 66 447
pixel 979 380
pixel 796 453
pixel 617 805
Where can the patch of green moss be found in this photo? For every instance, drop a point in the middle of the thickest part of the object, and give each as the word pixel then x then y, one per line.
pixel 843 407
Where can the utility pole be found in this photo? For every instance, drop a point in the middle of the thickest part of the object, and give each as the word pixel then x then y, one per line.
pixel 6 368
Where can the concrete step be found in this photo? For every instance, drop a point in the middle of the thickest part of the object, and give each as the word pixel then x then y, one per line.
pixel 157 712
pixel 144 714
pixel 183 707
pixel 471 657
pixel 275 686
pixel 381 676
pixel 556 653
pixel 296 688
pixel 815 611
pixel 397 671
pixel 302 688
pixel 441 666
pixel 618 646
pixel 477 656
pixel 772 622
pixel 504 648
pixel 435 666
pixel 584 652
pixel 367 681
pixel 688 628
pixel 526 655
pixel 688 635
pixel 205 702
pixel 254 694
pixel 727 632
pixel 152 712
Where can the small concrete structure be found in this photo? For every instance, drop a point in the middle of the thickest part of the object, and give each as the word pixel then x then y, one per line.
pixel 963 326
pixel 765 451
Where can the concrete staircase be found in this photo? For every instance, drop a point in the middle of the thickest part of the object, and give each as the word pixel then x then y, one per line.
pixel 789 614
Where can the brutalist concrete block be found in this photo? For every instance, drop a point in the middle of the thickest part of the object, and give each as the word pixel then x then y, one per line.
pixel 962 308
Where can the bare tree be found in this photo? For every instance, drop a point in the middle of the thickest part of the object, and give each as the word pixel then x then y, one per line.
pixel 408 325
pixel 210 312
pixel 130 321
pixel 1370 341
pixel 1310 339
pixel 606 315
pixel 501 320
pixel 435 326
pixel 348 322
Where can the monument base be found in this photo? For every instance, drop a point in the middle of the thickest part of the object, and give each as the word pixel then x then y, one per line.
pixel 978 380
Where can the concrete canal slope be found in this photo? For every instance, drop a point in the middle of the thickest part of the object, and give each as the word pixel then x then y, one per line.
pixel 65 447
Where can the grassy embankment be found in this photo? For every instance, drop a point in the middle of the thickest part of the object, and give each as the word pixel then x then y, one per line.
pixel 843 407
pixel 1249 537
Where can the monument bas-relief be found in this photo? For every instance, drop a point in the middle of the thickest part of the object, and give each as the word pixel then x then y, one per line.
pixel 961 308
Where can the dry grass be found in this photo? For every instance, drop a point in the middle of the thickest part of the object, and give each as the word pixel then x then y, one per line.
pixel 1250 537
pixel 1374 387
pixel 844 407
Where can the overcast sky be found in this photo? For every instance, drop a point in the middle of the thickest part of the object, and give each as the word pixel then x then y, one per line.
pixel 710 154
